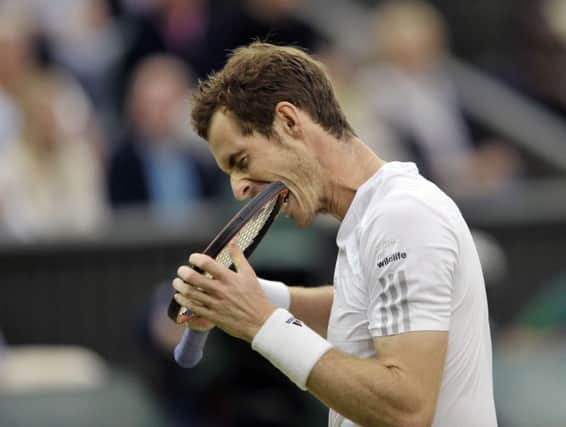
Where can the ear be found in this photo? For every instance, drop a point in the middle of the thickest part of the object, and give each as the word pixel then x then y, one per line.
pixel 287 120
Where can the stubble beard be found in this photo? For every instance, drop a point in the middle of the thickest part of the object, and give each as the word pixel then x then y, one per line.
pixel 308 175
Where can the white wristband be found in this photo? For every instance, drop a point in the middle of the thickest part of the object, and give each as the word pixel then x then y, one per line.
pixel 290 345
pixel 277 293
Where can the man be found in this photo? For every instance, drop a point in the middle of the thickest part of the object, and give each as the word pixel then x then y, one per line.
pixel 419 92
pixel 406 324
pixel 153 163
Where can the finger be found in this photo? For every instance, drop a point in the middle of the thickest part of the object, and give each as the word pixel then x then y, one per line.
pixel 195 294
pixel 194 278
pixel 209 265
pixel 199 323
pixel 180 286
pixel 187 273
pixel 201 298
pixel 196 309
pixel 183 272
pixel 240 261
pixel 184 314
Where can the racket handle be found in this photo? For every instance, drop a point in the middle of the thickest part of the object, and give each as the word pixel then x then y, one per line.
pixel 189 350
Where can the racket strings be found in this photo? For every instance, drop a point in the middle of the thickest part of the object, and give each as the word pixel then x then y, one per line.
pixel 248 233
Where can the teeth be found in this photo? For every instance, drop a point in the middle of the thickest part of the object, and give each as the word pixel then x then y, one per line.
pixel 285 204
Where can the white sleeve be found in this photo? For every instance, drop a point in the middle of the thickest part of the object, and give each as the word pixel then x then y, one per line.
pixel 410 252
pixel 276 292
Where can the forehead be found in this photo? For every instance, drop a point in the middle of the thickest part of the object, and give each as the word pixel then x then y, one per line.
pixel 224 134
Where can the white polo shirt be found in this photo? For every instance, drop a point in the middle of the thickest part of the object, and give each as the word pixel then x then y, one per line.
pixel 407 262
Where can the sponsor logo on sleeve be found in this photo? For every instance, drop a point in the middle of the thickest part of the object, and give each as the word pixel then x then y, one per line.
pixel 391 258
pixel 293 321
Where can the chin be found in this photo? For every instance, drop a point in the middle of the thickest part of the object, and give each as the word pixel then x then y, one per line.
pixel 298 214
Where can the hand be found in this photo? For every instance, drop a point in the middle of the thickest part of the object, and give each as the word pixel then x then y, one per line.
pixel 198 323
pixel 192 321
pixel 233 301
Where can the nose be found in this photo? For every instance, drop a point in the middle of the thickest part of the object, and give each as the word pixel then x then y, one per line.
pixel 241 187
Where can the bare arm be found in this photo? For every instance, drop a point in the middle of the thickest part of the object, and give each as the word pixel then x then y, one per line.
pixel 312 306
pixel 398 388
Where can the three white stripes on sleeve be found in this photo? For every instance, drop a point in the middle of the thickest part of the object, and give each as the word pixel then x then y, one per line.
pixel 394 310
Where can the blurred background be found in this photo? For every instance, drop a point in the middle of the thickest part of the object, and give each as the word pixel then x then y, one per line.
pixel 105 189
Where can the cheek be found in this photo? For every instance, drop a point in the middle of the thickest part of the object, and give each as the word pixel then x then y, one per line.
pixel 297 170
pixel 292 173
pixel 304 183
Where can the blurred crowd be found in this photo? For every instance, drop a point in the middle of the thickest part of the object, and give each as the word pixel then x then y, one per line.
pixel 95 100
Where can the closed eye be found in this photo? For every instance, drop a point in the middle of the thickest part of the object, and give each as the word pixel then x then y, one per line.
pixel 237 160
pixel 243 163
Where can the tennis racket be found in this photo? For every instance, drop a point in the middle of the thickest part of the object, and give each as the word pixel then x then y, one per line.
pixel 247 228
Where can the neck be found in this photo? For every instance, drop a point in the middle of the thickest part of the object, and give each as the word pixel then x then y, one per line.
pixel 348 164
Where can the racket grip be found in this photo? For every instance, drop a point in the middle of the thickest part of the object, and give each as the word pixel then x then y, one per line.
pixel 189 350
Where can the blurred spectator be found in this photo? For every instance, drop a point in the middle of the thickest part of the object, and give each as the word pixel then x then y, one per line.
pixel 16 66
pixel 83 38
pixel 235 23
pixel 136 7
pixel 17 33
pixel 176 27
pixel 50 180
pixel 201 33
pixel 414 93
pixel 157 163
pixel 355 99
pixel 10 119
pixel 537 54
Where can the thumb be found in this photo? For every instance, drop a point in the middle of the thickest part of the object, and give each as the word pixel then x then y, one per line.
pixel 238 257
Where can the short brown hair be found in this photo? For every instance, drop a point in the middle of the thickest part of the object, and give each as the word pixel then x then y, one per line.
pixel 257 77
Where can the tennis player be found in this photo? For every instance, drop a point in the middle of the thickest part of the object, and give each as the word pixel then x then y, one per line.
pixel 402 338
